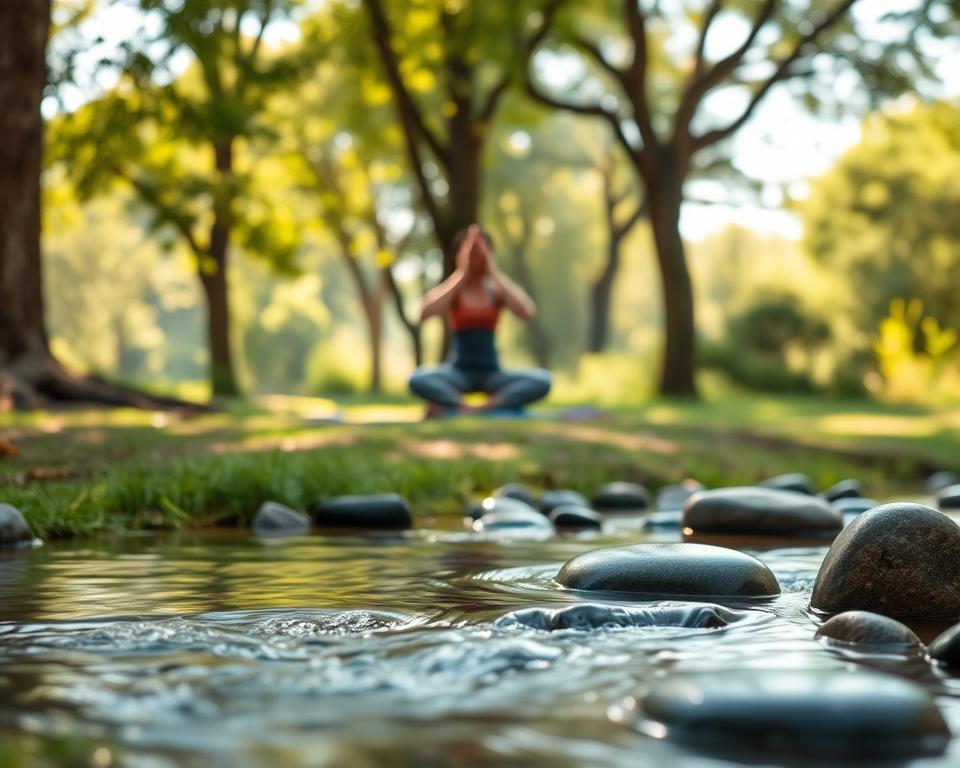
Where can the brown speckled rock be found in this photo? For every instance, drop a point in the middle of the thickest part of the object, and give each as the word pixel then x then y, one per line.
pixel 900 560
pixel 865 628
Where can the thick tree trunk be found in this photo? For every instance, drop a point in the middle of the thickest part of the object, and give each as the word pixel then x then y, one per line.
pixel 679 356
pixel 23 37
pixel 213 278
pixel 29 375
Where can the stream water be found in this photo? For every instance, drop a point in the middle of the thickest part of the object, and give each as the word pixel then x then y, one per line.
pixel 219 649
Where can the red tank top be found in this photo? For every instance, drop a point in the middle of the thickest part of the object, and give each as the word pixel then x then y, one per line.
pixel 484 317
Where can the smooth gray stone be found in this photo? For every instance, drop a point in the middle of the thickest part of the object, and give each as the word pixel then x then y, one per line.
pixel 869 629
pixel 580 518
pixel 673 497
pixel 497 504
pixel 941 479
pixel 517 491
pixel 550 500
pixel 854 506
pixel 670 569
pixel 592 616
pixel 949 497
pixel 621 496
pixel 13 526
pixel 900 560
pixel 273 519
pixel 513 519
pixel 835 714
pixel 945 648
pixel 845 489
pixel 759 510
pixel 382 510
pixel 794 481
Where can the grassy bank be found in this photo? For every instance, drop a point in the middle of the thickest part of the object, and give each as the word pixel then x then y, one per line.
pixel 83 472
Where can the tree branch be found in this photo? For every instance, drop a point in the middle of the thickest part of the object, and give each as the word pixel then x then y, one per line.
pixel 637 74
pixel 410 116
pixel 699 86
pixel 781 73
pixel 167 213
pixel 594 52
pixel 708 18
pixel 493 99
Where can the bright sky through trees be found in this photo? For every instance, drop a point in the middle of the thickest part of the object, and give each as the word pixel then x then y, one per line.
pixel 782 146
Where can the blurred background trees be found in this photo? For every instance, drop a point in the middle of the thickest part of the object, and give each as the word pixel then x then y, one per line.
pixel 252 195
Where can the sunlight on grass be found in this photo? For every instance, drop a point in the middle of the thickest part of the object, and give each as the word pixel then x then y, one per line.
pixel 872 424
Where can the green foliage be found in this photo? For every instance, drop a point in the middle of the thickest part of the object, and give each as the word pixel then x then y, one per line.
pixel 919 360
pixel 885 216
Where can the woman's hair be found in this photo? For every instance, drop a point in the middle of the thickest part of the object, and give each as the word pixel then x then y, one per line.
pixel 462 235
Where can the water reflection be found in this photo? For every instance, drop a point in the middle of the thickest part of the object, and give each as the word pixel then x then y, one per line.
pixel 346 650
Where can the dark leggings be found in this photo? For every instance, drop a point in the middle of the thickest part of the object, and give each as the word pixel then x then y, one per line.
pixel 444 384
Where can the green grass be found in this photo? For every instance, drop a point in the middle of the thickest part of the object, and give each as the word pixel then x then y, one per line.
pixel 87 471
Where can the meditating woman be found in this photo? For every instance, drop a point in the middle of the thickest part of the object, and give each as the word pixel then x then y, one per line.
pixel 471 300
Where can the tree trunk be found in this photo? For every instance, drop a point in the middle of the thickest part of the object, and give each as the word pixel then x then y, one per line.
pixel 30 377
pixel 412 328
pixel 23 38
pixel 677 375
pixel 600 292
pixel 213 278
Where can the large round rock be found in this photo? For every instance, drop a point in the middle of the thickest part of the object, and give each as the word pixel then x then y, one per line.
pixel 900 560
pixel 517 491
pixel 693 570
pixel 621 496
pixel 864 628
pixel 382 510
pixel 13 528
pixel 759 510
pixel 832 714
pixel 941 479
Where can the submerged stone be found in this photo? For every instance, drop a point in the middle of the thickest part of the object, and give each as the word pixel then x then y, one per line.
pixel 941 479
pixel 949 497
pixel 621 496
pixel 759 510
pixel 663 521
pixel 900 560
pixel 497 504
pixel 514 519
pixel 13 526
pixel 854 506
pixel 673 497
pixel 945 648
pixel 670 569
pixel 590 616
pixel 845 489
pixel 273 519
pixel 866 628
pixel 517 491
pixel 550 500
pixel 381 510
pixel 794 481
pixel 579 518
pixel 825 713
